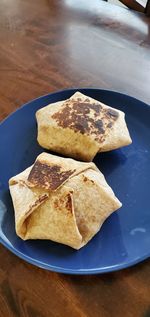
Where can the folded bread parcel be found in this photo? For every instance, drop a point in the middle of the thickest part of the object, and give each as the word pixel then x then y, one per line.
pixel 80 127
pixel 62 200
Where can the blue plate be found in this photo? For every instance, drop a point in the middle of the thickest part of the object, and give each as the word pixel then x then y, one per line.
pixel 124 239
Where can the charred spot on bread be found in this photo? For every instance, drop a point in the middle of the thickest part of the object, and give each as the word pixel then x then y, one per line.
pixel 86 118
pixel 47 176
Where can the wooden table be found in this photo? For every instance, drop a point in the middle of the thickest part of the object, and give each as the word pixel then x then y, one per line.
pixel 46 46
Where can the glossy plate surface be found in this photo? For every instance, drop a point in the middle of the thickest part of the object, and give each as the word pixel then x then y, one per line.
pixel 124 239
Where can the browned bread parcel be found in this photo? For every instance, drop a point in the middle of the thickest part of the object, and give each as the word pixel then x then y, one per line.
pixel 80 127
pixel 61 199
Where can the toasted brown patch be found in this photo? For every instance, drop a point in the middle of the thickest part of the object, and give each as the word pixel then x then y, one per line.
pixel 42 198
pixel 85 179
pixel 109 125
pixel 48 177
pixel 66 202
pixel 69 203
pixel 56 203
pixel 112 113
pixel 86 118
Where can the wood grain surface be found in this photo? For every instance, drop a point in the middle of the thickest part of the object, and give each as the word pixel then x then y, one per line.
pixel 46 45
